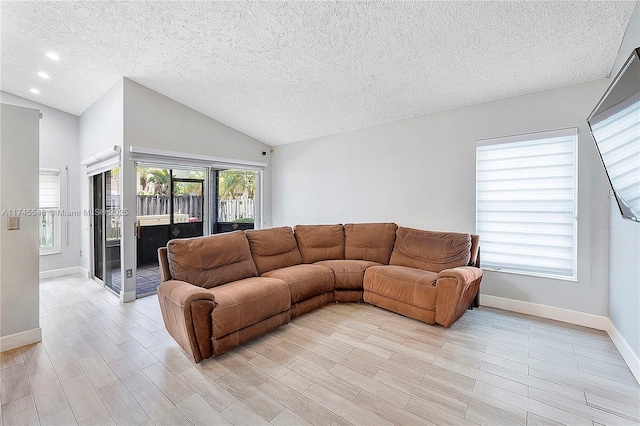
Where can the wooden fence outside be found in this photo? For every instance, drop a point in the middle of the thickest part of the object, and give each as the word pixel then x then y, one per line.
pixel 228 210
pixel 159 204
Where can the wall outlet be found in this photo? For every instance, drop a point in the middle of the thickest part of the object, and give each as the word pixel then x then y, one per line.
pixel 80 253
pixel 129 273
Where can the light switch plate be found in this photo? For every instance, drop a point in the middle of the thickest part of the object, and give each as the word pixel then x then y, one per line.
pixel 13 223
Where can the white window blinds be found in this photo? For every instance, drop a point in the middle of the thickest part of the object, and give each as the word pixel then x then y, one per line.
pixel 618 138
pixel 526 203
pixel 49 221
pixel 49 188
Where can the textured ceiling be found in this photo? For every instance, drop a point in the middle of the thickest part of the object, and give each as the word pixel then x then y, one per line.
pixel 288 71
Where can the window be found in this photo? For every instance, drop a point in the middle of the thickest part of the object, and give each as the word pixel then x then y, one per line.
pixel 526 203
pixel 49 220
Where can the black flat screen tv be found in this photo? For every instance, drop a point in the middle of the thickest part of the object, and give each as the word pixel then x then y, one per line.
pixel 615 126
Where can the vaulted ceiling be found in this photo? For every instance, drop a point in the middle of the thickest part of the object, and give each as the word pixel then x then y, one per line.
pixel 288 71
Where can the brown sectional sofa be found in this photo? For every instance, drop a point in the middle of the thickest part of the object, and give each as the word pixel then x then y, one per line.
pixel 221 290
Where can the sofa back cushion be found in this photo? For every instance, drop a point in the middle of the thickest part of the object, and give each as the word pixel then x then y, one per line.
pixel 430 251
pixel 211 261
pixel 320 242
pixel 369 241
pixel 273 248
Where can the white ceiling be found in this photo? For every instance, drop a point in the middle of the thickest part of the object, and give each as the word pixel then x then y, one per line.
pixel 288 71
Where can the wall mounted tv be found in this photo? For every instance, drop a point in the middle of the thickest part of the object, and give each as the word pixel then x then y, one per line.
pixel 615 126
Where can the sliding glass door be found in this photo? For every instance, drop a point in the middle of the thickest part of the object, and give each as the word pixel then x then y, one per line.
pixel 106 223
pixel 170 204
pixel 235 195
pixel 98 227
pixel 172 201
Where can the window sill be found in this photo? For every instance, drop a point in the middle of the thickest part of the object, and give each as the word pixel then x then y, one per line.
pixel 531 274
pixel 48 252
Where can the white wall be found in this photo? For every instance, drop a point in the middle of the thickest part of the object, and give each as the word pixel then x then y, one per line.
pixel 100 127
pixel 59 150
pixel 153 120
pixel 19 287
pixel 421 173
pixel 624 254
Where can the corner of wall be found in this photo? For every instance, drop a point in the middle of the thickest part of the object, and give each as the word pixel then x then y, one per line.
pixel 598 322
pixel 23 338
pixel 624 246
pixel 628 354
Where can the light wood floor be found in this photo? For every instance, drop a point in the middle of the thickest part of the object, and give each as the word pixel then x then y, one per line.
pixel 102 362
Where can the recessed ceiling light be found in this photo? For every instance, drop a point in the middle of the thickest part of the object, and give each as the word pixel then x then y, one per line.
pixel 44 75
pixel 34 91
pixel 53 56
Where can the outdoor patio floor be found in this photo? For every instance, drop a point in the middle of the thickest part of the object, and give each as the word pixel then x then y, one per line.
pixel 147 280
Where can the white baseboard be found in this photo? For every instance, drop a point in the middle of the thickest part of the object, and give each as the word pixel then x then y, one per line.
pixel 64 271
pixel 23 338
pixel 128 296
pixel 632 360
pixel 599 322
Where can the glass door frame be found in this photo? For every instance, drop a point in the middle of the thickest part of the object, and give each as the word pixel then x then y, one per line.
pixel 98 225
pixel 258 199
pixel 97 228
pixel 171 168
pixel 203 191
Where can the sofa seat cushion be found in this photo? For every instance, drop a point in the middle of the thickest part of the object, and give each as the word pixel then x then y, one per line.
pixel 320 242
pixel 273 248
pixel 348 273
pixel 211 261
pixel 305 281
pixel 246 302
pixel 406 285
pixel 429 250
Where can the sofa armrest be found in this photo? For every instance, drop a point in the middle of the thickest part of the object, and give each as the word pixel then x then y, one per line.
pixel 457 288
pixel 186 311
